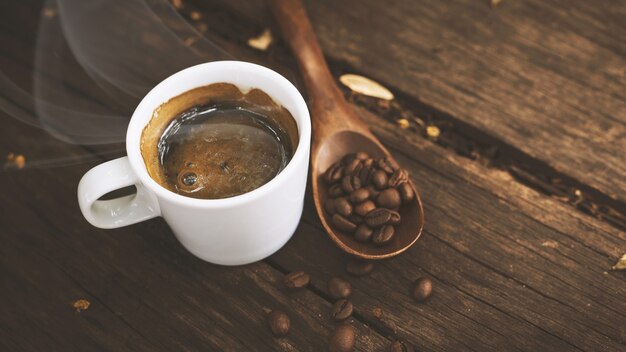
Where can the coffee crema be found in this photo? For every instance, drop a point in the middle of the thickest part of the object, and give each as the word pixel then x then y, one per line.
pixel 217 142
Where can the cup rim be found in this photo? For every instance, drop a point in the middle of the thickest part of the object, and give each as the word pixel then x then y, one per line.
pixel 135 129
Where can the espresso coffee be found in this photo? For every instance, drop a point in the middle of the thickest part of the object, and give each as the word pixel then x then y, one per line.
pixel 216 141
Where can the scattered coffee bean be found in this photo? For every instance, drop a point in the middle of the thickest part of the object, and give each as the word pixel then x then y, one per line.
pixel 279 322
pixel 334 173
pixel 363 233
pixel 364 208
pixel 406 192
pixel 329 206
pixel 357 267
pixel 359 196
pixel 383 235
pixel 343 207
pixel 339 288
pixel 389 198
pixel 342 339
pixel 398 177
pixel 296 280
pixel 353 167
pixel 349 183
pixel 343 224
pixel 381 216
pixel 335 191
pixel 401 346
pixel 341 310
pixel 379 179
pixel 422 289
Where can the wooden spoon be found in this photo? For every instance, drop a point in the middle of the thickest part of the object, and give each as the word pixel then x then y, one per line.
pixel 337 131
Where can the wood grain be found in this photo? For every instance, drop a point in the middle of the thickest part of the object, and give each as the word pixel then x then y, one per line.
pixel 544 77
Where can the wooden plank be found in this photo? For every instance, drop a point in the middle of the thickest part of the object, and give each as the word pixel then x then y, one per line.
pixel 546 78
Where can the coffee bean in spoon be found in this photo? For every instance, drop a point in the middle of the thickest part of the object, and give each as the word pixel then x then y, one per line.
pixel 339 288
pixel 401 346
pixel 383 235
pixel 357 267
pixel 342 339
pixel 398 177
pixel 329 206
pixel 343 207
pixel 279 322
pixel 359 196
pixel 379 179
pixel 297 280
pixel 363 233
pixel 406 192
pixel 343 224
pixel 422 289
pixel 389 198
pixel 353 167
pixel 335 191
pixel 341 310
pixel 381 216
pixel 364 208
pixel 334 173
pixel 350 183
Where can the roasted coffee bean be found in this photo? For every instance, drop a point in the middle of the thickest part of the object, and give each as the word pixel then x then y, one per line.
pixel 343 224
pixel 398 177
pixel 369 162
pixel 341 310
pixel 353 167
pixel 381 216
pixel 401 346
pixel 296 280
pixel 406 192
pixel 329 206
pixel 363 233
pixel 362 156
pixel 356 219
pixel 379 179
pixel 389 198
pixel 350 183
pixel 383 235
pixel 342 339
pixel 373 192
pixel 335 191
pixel 343 207
pixel 365 175
pixel 279 322
pixel 422 289
pixel 394 219
pixel 334 173
pixel 359 196
pixel 364 208
pixel 357 267
pixel 339 288
pixel 388 165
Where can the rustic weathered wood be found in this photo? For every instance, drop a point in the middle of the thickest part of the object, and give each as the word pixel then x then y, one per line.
pixel 544 77
pixel 513 269
pixel 338 132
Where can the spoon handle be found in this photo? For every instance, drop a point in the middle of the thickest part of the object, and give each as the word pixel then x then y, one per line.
pixel 330 111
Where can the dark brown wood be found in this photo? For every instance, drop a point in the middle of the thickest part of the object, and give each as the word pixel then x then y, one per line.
pixel 338 131
pixel 546 78
pixel 513 270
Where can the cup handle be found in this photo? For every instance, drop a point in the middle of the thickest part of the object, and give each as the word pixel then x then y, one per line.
pixel 118 212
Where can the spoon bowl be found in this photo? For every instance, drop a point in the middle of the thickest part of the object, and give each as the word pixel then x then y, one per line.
pixel 338 131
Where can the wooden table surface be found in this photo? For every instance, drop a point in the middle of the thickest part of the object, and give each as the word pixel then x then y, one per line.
pixel 524 190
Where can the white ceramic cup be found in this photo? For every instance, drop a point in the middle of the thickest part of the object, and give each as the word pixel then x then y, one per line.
pixel 229 231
